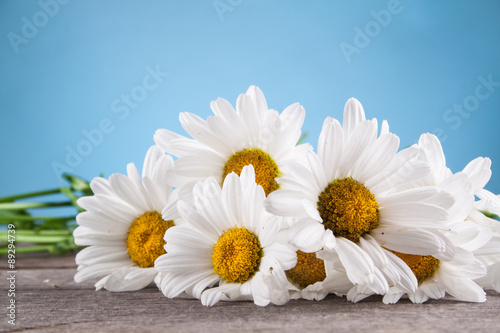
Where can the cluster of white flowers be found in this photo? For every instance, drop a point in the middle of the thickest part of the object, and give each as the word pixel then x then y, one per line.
pixel 246 213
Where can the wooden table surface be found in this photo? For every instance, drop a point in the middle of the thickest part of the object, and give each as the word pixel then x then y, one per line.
pixel 47 300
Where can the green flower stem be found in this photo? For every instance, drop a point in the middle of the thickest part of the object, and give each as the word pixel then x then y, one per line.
pixel 39 232
pixel 29 195
pixel 53 249
pixel 490 215
pixel 30 205
pixel 6 219
pixel 68 192
pixel 31 249
pixel 37 238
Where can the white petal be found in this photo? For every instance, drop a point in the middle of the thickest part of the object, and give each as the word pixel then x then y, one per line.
pixel 330 146
pixel 127 190
pixel 199 130
pixel 464 290
pixel 285 203
pixel 102 224
pixel 353 115
pixel 99 270
pixel 101 254
pixel 292 117
pixel 379 154
pixel 356 144
pixel 100 185
pixel 213 295
pixel 418 297
pixel 317 170
pixel 432 289
pixel 413 241
pixel 479 172
pixel 407 280
pixel 358 265
pixel 415 212
pixel 433 151
pixel 117 280
pixel 307 235
pixel 284 254
pixel 192 217
pixel 392 296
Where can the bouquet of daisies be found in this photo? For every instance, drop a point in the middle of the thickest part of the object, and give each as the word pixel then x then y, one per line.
pixel 243 212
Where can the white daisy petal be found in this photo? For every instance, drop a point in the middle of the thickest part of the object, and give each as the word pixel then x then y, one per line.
pixel 100 185
pixel 433 290
pixel 337 282
pixel 425 194
pixel 355 145
pixel 208 279
pixel 118 281
pixel 210 297
pixel 99 270
pixel 354 295
pixel 330 146
pixel 100 254
pixel 173 285
pixel 175 144
pixel 194 218
pixel 317 170
pixel 285 203
pixel 128 192
pixel 384 128
pixel 465 290
pixel 433 151
pixel 306 234
pixel 407 280
pixel 293 116
pixel 392 296
pixel 196 253
pixel 101 224
pixel 418 297
pixel 358 264
pixel 415 241
pixel 283 254
pixel 113 207
pixel 86 236
pixel 479 172
pixel 401 171
pixel 380 153
pixel 258 99
pixel 197 128
pixel 420 212
pixel 353 115
pixel 116 218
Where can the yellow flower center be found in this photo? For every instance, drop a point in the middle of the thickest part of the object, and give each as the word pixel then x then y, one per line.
pixel 236 255
pixel 423 267
pixel 145 240
pixel 266 169
pixel 308 270
pixel 348 208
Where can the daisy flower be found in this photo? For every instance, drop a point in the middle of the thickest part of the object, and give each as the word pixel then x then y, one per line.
pixel 231 139
pixel 348 208
pixel 489 254
pixel 456 276
pixel 123 225
pixel 230 240
pixel 479 173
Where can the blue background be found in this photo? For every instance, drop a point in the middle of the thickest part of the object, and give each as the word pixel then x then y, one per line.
pixel 67 75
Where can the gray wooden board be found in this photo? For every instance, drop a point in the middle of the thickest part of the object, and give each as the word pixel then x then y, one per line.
pixel 48 300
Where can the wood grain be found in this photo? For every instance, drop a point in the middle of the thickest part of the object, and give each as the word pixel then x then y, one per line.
pixel 49 301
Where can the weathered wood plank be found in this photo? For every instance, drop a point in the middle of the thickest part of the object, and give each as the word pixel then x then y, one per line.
pixel 148 310
pixel 60 305
pixel 40 261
